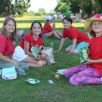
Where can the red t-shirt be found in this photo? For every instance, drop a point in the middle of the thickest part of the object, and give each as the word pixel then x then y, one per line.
pixel 74 33
pixel 29 38
pixel 6 45
pixel 47 28
pixel 96 52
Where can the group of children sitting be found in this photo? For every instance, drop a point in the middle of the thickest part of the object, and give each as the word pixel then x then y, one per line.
pixel 21 56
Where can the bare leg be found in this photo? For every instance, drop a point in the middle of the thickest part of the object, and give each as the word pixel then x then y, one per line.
pixel 56 34
pixel 34 65
pixel 50 34
pixel 60 34
pixel 69 48
pixel 33 62
pixel 76 51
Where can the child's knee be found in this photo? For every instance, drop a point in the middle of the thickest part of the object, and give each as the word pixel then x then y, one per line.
pixel 73 81
pixel 40 63
pixel 44 62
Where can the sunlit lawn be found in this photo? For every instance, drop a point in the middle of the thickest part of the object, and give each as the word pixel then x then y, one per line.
pixel 25 22
pixel 61 91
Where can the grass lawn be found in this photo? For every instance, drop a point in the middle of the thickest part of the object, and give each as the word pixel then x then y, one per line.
pixel 61 91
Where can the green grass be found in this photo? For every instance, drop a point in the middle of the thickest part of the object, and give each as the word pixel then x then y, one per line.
pixel 61 91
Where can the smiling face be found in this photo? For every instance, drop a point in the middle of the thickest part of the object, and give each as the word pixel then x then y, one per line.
pixel 10 27
pixel 66 24
pixel 36 29
pixel 97 26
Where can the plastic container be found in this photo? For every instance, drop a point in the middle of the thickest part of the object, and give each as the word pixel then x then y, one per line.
pixel 32 81
pixel 50 81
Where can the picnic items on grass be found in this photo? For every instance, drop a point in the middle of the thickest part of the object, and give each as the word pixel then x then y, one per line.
pixel 32 81
pixel 9 73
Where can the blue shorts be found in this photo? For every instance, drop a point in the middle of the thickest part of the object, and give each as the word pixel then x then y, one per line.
pixel 81 45
pixel 45 36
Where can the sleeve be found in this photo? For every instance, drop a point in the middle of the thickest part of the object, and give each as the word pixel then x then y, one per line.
pixel 27 38
pixel 49 28
pixel 2 44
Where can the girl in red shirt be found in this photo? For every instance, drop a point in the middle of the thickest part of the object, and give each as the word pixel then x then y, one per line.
pixel 7 37
pixel 91 71
pixel 48 30
pixel 79 39
pixel 23 51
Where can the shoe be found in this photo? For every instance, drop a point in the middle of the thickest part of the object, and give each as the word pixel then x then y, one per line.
pixel 61 71
pixel 20 71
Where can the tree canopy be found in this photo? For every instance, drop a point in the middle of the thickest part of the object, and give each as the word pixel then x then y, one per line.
pixel 89 7
pixel 13 7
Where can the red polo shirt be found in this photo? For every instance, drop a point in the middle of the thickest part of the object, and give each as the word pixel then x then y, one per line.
pixel 74 33
pixel 6 45
pixel 96 52
pixel 29 38
pixel 47 28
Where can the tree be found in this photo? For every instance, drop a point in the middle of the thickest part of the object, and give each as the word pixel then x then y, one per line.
pixel 98 5
pixel 20 6
pixel 11 7
pixel 87 6
pixel 72 4
pixel 5 7
pixel 42 11
pixel 61 7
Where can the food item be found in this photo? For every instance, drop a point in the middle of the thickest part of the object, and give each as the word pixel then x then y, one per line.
pixel 57 76
pixel 32 81
pixel 83 55
pixel 50 81
pixel 34 50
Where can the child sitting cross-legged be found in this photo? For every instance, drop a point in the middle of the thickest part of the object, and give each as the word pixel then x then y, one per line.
pixel 91 71
pixel 23 52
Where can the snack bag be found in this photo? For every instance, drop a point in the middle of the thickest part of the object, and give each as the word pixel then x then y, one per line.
pixel 50 56
pixel 34 50
pixel 83 55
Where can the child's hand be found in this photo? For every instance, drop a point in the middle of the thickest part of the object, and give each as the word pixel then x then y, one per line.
pixel 15 62
pixel 38 58
pixel 43 56
pixel 40 48
pixel 71 51
pixel 89 61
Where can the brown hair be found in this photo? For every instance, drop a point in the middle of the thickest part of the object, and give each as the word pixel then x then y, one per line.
pixel 33 24
pixel 13 35
pixel 67 19
pixel 92 33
